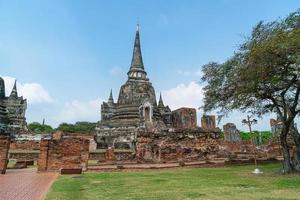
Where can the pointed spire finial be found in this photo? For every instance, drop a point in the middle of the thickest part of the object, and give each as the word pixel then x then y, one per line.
pixel 14 92
pixel 137 70
pixel 110 99
pixel 160 102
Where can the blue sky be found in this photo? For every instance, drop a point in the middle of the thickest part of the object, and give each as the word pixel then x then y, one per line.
pixel 66 55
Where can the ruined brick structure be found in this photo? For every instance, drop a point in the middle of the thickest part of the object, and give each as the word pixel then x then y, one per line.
pixel 13 108
pixel 65 152
pixel 208 121
pixel 25 145
pixel 181 145
pixel 231 133
pixel 4 148
pixel 184 118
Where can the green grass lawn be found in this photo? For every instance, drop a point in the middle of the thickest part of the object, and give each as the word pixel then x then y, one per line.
pixel 234 182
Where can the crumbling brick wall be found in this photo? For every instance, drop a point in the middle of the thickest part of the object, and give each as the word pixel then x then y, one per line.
pixel 4 148
pixel 208 121
pixel 22 155
pixel 184 118
pixel 68 152
pixel 188 145
pixel 25 145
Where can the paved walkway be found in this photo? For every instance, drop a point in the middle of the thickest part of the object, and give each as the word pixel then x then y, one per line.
pixel 25 184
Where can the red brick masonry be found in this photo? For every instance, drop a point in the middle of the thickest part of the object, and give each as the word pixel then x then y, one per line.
pixel 61 153
pixel 4 148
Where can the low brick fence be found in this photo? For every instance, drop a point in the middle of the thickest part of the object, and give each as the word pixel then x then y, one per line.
pixel 25 145
pixel 22 155
pixel 68 152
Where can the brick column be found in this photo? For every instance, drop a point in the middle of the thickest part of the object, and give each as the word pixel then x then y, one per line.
pixel 43 156
pixel 4 148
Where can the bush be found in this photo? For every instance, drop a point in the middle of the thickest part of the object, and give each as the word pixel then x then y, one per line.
pixel 78 127
pixel 38 128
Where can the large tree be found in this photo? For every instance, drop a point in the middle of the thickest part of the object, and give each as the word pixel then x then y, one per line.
pixel 263 76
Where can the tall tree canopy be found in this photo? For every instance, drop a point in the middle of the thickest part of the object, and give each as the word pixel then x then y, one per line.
pixel 263 76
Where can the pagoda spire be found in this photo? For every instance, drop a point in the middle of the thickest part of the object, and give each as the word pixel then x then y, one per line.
pixel 14 92
pixel 160 102
pixel 137 66
pixel 111 99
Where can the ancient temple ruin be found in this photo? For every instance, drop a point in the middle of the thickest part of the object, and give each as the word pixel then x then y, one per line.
pixel 12 111
pixel 137 110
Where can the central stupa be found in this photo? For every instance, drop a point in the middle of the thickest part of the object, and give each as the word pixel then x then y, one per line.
pixel 136 107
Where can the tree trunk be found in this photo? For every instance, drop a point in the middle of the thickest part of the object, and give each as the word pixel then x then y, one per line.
pixel 286 165
pixel 296 154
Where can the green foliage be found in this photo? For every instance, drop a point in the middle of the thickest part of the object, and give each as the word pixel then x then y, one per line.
pixel 38 128
pixel 262 76
pixel 265 136
pixel 78 127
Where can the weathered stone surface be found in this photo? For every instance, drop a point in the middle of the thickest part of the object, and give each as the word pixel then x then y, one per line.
pixel 208 121
pixel 231 133
pixel 4 148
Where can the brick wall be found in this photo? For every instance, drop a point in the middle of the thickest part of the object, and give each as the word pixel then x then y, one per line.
pixel 25 145
pixel 176 146
pixel 184 118
pixel 69 152
pixel 208 121
pixel 4 148
pixel 24 154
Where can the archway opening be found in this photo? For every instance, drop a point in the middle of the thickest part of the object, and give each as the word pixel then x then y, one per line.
pixel 147 114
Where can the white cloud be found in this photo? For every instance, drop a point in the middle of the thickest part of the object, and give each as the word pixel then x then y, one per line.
pixel 115 71
pixel 183 95
pixel 191 95
pixel 33 92
pixel 80 111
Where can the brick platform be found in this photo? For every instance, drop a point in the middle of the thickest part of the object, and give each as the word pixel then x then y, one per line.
pixel 25 184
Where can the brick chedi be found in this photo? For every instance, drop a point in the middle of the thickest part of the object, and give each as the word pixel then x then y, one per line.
pixel 135 108
pixel 12 110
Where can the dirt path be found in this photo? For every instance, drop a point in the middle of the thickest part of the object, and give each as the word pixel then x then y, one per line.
pixel 25 184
